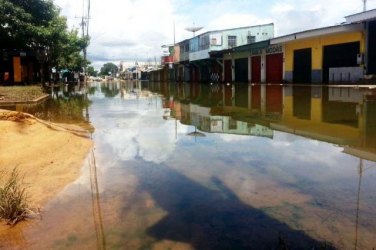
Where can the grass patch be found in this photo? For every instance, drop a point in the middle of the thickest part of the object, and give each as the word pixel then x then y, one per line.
pixel 13 200
pixel 20 93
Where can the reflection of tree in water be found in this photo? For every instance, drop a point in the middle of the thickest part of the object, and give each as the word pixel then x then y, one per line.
pixel 110 90
pixel 214 218
pixel 91 90
pixel 62 109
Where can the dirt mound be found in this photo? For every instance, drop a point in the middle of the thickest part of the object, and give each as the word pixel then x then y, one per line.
pixel 14 116
pixel 49 155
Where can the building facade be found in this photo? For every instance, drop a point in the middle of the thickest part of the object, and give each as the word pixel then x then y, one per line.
pixel 344 53
pixel 324 55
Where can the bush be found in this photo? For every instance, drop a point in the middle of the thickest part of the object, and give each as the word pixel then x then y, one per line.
pixel 13 200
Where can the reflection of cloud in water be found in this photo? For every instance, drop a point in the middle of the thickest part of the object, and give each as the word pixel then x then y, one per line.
pixel 145 135
pixel 234 138
pixel 285 152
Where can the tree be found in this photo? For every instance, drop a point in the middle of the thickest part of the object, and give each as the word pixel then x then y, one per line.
pixel 91 71
pixel 36 25
pixel 109 68
pixel 67 53
pixel 26 23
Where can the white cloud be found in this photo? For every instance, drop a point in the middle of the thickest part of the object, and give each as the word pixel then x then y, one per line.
pixel 124 30
pixel 293 16
pixel 133 30
pixel 232 20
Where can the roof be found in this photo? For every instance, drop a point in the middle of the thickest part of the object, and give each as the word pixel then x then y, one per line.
pixel 362 16
pixel 183 42
pixel 238 28
pixel 251 46
pixel 247 47
pixel 219 53
pixel 342 28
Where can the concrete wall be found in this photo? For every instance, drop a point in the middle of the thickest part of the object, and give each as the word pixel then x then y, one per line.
pixel 176 54
pixel 199 52
pixel 262 33
pixel 345 74
pixel 317 44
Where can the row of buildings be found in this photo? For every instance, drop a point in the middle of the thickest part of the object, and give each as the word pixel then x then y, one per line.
pixel 339 53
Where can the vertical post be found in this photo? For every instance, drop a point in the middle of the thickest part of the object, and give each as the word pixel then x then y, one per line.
pixel 250 96
pixel 263 99
pixel 360 168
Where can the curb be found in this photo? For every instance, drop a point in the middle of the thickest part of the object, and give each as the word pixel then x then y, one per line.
pixel 36 100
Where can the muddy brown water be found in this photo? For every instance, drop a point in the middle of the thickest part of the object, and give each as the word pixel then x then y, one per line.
pixel 190 166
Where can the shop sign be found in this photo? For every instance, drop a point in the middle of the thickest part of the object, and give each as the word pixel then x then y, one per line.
pixel 274 49
pixel 255 52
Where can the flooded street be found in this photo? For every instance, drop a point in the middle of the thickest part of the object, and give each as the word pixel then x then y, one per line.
pixel 200 166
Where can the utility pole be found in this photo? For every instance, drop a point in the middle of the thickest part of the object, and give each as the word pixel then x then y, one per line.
pixel 85 33
pixel 364 5
pixel 87 39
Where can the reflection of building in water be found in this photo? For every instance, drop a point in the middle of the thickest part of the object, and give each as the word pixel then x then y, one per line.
pixel 227 125
pixel 337 115
pixel 200 117
pixel 340 115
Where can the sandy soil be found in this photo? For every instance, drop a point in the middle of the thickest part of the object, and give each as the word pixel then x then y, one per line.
pixel 49 155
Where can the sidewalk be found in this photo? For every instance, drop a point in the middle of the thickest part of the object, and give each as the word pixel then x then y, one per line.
pixel 21 95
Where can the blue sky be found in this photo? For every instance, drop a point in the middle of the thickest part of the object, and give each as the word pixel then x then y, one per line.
pixel 130 30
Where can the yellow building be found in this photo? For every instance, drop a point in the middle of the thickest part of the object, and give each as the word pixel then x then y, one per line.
pixel 330 54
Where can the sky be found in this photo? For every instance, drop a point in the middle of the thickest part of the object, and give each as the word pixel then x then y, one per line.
pixel 134 30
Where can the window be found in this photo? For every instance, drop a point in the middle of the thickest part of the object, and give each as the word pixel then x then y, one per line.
pixel 251 39
pixel 231 41
pixel 193 44
pixel 204 42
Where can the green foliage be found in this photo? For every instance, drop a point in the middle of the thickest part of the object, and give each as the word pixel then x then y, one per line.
pixel 37 25
pixel 109 67
pixel 68 50
pixel 26 23
pixel 91 71
pixel 13 203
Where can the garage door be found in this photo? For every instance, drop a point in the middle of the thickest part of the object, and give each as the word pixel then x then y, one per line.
pixel 302 66
pixel 256 69
pixel 241 70
pixel 339 55
pixel 274 68
pixel 228 71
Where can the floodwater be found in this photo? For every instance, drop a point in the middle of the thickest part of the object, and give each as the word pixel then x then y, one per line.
pixel 190 166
